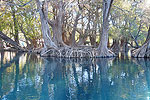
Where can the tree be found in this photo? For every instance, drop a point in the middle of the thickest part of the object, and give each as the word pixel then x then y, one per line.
pixel 48 43
pixel 74 28
pixel 103 49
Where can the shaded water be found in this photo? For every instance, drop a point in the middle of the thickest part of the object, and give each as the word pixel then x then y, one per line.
pixel 30 77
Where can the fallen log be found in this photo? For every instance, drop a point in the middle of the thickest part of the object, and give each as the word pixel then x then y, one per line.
pixel 10 41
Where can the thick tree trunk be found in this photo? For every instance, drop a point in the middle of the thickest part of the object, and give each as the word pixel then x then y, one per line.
pixel 57 35
pixel 93 40
pixel 48 43
pixel 56 24
pixel 144 50
pixel 103 50
pixel 60 23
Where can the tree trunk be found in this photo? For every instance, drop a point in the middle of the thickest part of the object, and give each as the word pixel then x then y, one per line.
pixel 103 50
pixel 124 45
pixel 48 43
pixel 115 46
pixel 93 35
pixel 57 24
pixel 60 23
pixel 74 29
pixel 57 35
pixel 1 44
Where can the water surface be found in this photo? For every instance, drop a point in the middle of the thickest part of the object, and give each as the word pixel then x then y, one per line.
pixel 30 77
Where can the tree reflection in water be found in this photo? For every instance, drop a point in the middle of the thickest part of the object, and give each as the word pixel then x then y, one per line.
pixel 27 77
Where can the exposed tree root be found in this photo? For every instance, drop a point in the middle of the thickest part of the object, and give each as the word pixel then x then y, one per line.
pixel 143 51
pixel 105 53
pixel 75 53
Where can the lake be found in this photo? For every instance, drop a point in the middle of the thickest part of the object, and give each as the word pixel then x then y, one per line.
pixel 31 77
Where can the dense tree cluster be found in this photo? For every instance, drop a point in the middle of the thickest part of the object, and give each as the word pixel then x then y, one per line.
pixel 76 28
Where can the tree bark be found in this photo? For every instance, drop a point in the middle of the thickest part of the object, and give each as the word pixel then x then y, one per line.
pixel 57 24
pixel 48 43
pixel 115 46
pixel 124 45
pixel 93 40
pixel 1 44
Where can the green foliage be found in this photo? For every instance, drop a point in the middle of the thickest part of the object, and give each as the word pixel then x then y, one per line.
pixel 129 18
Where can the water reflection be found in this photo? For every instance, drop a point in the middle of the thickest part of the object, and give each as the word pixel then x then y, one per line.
pixel 27 76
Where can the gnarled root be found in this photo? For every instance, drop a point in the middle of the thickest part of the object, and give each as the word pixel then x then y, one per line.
pixel 142 52
pixel 75 53
pixel 105 53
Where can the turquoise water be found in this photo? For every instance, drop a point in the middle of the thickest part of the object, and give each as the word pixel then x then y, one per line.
pixel 30 77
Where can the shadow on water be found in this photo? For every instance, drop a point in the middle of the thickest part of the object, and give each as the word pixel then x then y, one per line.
pixel 30 77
